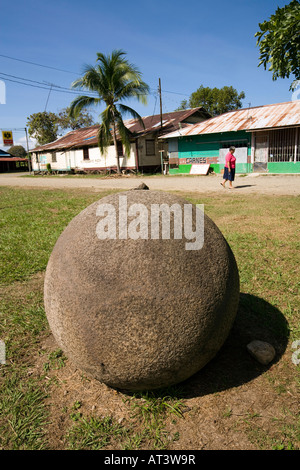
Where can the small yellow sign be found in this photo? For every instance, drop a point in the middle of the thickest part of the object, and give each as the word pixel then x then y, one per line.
pixel 7 137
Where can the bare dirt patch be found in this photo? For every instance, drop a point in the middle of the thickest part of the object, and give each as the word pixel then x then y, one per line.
pixel 244 184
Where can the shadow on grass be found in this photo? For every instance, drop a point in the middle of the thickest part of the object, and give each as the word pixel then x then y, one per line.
pixel 233 365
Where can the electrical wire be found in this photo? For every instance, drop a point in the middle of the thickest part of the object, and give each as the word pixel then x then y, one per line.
pixel 28 80
pixel 44 86
pixel 37 86
pixel 39 65
pixel 67 71
pixel 41 85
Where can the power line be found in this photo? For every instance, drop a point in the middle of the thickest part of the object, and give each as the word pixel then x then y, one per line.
pixel 39 65
pixel 40 84
pixel 48 97
pixel 37 86
pixel 16 129
pixel 73 73
pixel 44 86
pixel 26 79
pixel 58 87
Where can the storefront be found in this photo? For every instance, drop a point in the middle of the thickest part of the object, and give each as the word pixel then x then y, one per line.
pixel 266 138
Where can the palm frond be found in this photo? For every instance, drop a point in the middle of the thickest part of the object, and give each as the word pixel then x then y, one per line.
pixel 125 110
pixel 114 79
pixel 133 90
pixel 104 139
pixel 82 102
pixel 92 80
pixel 123 79
pixel 105 130
pixel 124 133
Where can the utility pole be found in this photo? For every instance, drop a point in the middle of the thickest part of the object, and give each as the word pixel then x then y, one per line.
pixel 161 125
pixel 51 85
pixel 160 101
pixel 28 156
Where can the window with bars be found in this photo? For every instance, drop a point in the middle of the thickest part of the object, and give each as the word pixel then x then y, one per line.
pixel 284 145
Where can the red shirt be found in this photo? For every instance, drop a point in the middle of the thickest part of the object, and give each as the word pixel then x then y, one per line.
pixel 230 160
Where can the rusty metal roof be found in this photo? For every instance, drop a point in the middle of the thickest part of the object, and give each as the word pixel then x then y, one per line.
pixel 7 157
pixel 170 121
pixel 13 159
pixel 248 119
pixel 88 136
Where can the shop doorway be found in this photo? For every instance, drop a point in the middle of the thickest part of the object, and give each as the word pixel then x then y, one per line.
pixel 261 153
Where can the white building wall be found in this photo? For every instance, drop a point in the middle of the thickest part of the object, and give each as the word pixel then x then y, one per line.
pixel 66 160
pixel 97 160
pixel 73 159
pixel 58 160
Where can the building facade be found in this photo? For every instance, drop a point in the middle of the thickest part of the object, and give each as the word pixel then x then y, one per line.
pixel 266 138
pixel 79 151
pixel 9 163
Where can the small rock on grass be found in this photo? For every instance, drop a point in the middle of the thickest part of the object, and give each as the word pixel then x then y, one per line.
pixel 263 352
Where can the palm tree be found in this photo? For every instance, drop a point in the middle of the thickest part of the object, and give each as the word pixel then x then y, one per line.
pixel 114 79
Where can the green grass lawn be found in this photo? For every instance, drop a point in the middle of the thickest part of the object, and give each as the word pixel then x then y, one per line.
pixel 263 232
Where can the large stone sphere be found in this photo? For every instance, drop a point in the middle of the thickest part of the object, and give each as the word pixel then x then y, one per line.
pixel 140 310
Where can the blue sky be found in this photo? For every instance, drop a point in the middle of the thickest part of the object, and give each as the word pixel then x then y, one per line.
pixel 185 44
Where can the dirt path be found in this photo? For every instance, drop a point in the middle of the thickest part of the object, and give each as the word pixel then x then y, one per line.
pixel 250 184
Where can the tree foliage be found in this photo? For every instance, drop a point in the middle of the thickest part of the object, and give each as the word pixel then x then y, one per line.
pixel 43 127
pixel 17 151
pixel 279 42
pixel 215 100
pixel 114 80
pixel 65 121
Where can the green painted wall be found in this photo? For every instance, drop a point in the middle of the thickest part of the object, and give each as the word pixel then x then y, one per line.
pixel 244 168
pixel 284 167
pixel 216 167
pixel 276 167
pixel 209 145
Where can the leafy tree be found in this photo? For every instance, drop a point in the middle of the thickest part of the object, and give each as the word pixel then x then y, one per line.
pixel 17 151
pixel 65 121
pixel 43 127
pixel 215 100
pixel 114 79
pixel 279 42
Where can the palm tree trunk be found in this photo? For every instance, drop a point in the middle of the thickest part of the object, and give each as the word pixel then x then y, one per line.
pixel 116 149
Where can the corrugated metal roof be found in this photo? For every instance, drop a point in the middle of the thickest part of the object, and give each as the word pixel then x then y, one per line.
pixel 88 136
pixel 72 139
pixel 7 157
pixel 170 121
pixel 256 118
pixel 13 159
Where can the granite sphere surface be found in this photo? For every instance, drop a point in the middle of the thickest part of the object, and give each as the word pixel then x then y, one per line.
pixel 135 309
